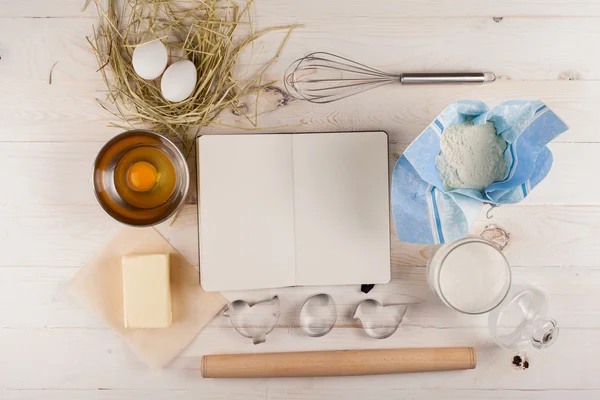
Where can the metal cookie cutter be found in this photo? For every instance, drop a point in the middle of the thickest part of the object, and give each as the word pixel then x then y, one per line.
pixel 318 315
pixel 379 321
pixel 254 321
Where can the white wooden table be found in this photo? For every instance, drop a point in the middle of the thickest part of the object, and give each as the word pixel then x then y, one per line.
pixel 51 347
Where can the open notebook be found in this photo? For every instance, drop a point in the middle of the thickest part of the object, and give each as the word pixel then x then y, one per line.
pixel 293 209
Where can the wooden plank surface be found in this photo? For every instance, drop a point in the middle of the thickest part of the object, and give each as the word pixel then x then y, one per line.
pixel 305 393
pixel 404 45
pixel 53 309
pixel 67 111
pixel 53 347
pixel 69 235
pixel 69 164
pixel 404 9
pixel 565 366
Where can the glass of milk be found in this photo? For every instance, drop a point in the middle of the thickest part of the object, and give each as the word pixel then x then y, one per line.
pixel 469 275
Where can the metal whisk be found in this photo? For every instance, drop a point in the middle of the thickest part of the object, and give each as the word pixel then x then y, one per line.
pixel 324 77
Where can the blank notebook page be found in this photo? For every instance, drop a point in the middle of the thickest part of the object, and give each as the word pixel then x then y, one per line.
pixel 246 211
pixel 341 208
pixel 293 209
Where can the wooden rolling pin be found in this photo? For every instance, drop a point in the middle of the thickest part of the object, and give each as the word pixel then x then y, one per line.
pixel 337 363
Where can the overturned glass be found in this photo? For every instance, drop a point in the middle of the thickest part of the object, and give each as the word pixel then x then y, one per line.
pixel 522 319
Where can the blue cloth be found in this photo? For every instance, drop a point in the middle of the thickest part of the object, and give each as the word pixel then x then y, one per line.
pixel 425 213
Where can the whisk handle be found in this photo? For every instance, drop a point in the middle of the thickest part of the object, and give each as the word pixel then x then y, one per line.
pixel 445 78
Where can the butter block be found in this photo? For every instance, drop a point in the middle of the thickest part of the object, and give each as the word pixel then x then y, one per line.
pixel 147 291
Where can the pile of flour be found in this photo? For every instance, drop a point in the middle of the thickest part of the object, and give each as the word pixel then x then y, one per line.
pixel 471 157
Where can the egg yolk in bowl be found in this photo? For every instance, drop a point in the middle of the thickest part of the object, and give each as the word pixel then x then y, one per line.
pixel 142 176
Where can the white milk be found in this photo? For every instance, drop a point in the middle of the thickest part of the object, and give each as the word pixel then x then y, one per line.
pixel 471 276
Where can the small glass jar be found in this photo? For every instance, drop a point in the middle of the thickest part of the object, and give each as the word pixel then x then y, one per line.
pixel 469 275
pixel 522 320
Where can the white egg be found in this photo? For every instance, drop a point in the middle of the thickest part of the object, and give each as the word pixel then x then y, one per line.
pixel 149 60
pixel 179 81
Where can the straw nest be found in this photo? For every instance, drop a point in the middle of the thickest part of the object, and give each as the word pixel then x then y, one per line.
pixel 205 32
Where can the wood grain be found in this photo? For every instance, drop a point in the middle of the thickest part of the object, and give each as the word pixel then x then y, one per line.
pixel 288 391
pixel 404 9
pixel 88 358
pixel 404 45
pixel 69 235
pixel 573 293
pixel 67 111
pixel 337 363
pixel 60 173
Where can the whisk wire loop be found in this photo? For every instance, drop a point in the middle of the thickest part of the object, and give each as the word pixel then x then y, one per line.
pixel 322 77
